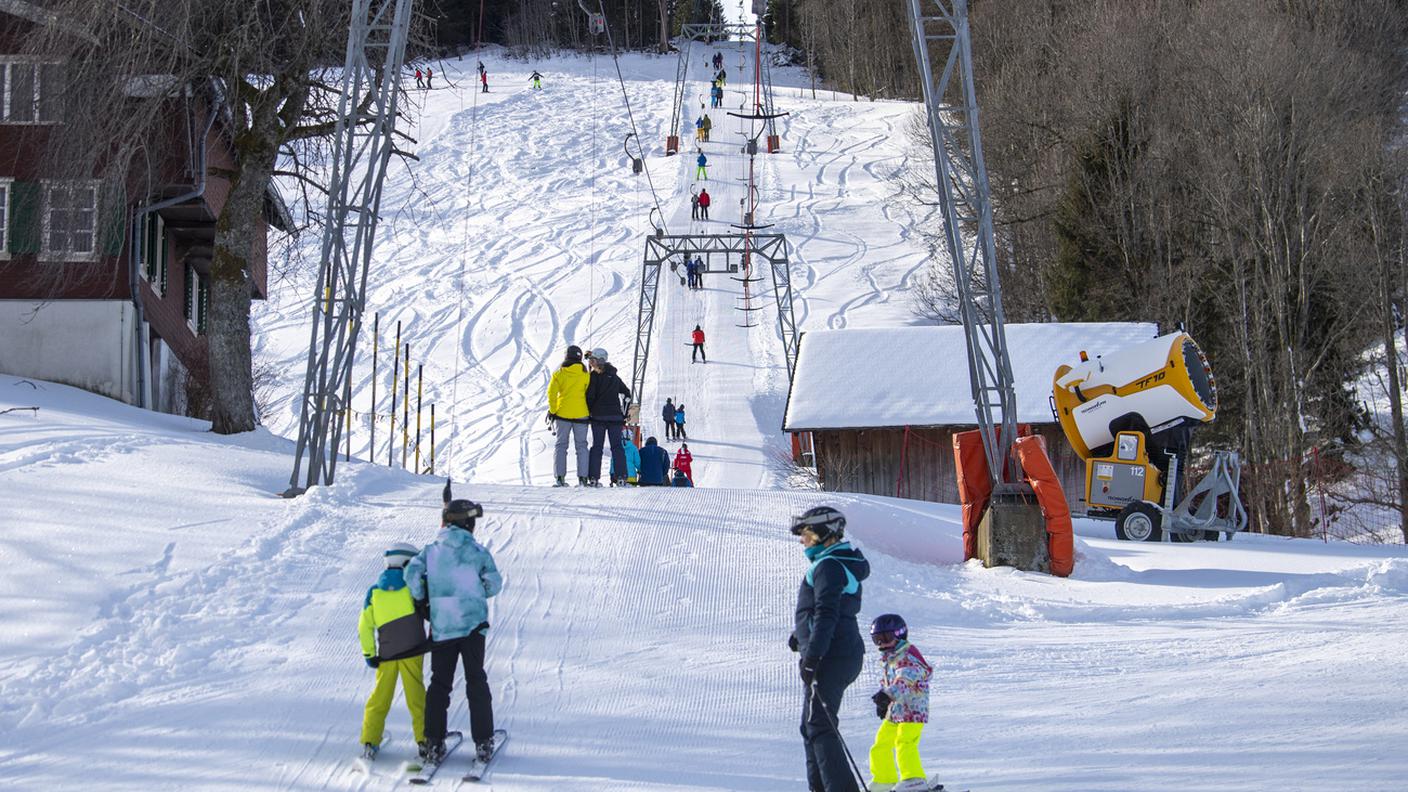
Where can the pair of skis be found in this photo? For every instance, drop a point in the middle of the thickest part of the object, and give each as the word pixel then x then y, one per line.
pixel 476 770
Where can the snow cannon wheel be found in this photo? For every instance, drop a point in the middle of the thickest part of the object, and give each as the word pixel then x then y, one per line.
pixel 1139 522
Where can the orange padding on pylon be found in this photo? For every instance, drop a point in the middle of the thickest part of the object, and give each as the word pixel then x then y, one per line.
pixel 974 485
pixel 1060 545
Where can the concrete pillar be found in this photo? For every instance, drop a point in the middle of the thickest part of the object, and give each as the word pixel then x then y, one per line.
pixel 1013 533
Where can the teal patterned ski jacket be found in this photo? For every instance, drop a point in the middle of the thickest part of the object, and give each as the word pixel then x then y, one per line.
pixel 458 576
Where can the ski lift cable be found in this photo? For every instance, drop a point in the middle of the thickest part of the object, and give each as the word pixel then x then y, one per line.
pixel 464 257
pixel 591 244
pixel 611 42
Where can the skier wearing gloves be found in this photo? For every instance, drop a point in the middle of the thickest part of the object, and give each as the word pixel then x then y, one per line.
pixel 902 702
pixel 684 461
pixel 826 635
pixel 567 409
pixel 393 642
pixel 668 414
pixel 455 576
pixel 701 170
pixel 631 475
pixel 604 394
pixel 696 340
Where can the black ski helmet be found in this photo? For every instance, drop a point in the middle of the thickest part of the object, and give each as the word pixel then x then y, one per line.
pixel 823 521
pixel 461 513
pixel 888 624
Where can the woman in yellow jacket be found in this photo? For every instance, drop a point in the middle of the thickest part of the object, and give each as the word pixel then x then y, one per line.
pixel 567 409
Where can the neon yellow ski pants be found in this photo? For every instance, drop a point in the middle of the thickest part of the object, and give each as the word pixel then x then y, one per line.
pixel 411 672
pixel 896 742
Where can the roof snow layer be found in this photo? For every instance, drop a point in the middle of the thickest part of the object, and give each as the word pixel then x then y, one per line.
pixel 918 376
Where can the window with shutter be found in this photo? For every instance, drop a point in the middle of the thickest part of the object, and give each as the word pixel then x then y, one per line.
pixel 70 218
pixel 29 90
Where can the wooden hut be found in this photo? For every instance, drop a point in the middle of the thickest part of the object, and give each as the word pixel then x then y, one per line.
pixel 875 410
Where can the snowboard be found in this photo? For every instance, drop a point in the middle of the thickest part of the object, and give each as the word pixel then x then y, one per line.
pixel 478 769
pixel 428 770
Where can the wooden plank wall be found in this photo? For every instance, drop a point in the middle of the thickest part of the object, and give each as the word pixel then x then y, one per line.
pixel 868 461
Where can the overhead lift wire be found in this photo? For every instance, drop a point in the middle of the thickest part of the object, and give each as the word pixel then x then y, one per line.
pixel 611 41
pixel 464 257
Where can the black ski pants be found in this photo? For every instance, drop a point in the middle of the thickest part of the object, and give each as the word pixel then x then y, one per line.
pixel 444 657
pixel 670 428
pixel 602 430
pixel 698 353
pixel 827 767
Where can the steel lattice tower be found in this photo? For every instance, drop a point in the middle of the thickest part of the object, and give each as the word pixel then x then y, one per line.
pixel 363 145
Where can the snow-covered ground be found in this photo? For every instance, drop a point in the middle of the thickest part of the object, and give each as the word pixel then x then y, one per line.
pixel 170 623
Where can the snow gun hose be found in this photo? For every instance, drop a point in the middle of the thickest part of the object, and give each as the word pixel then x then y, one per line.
pixel 830 718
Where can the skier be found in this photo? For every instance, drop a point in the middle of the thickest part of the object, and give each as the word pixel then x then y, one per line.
pixel 685 461
pixel 631 474
pixel 903 706
pixel 668 413
pixel 722 77
pixel 537 80
pixel 654 464
pixel 716 96
pixel 708 127
pixel 393 642
pixel 567 409
pixel 429 78
pixel 699 129
pixel 693 205
pixel 420 78
pixel 680 434
pixel 484 78
pixel 826 636
pixel 718 60
pixel 698 272
pixel 681 480
pixel 454 576
pixel 604 394
pixel 697 337
pixel 702 171
pixel 689 273
pixel 704 200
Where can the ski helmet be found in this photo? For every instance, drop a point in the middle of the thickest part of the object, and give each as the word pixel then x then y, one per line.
pixel 887 626
pixel 461 513
pixel 823 521
pixel 399 554
pixel 599 355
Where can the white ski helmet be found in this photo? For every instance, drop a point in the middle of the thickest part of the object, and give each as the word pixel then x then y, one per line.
pixel 400 554
pixel 599 354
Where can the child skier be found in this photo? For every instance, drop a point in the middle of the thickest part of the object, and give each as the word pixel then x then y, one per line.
pixel 537 81
pixel 420 78
pixel 429 78
pixel 903 706
pixel 393 642
pixel 693 205
pixel 679 427
pixel 681 480
pixel 684 461
pixel 484 78
pixel 631 475
pixel 701 170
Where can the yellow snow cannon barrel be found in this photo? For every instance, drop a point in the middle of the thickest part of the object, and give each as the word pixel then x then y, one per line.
pixel 1161 383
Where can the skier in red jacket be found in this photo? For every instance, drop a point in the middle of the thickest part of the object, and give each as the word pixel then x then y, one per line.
pixel 684 460
pixel 704 201
pixel 698 339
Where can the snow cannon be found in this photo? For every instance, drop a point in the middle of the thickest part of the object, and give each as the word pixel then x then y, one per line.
pixel 1130 415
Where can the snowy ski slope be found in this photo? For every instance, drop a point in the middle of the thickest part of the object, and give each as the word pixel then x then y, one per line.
pixel 169 624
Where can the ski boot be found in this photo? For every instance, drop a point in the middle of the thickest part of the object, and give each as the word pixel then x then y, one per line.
pixel 484 750
pixel 561 481
pixel 368 751
pixel 422 750
pixel 583 481
pixel 434 751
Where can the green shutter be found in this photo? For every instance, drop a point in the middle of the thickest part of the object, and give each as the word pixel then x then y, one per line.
pixel 186 289
pixel 25 221
pixel 112 223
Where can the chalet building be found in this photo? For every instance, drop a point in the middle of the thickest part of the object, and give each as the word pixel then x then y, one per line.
pixel 875 410
pixel 104 286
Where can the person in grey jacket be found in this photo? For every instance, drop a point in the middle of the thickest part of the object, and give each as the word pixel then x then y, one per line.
pixel 455 576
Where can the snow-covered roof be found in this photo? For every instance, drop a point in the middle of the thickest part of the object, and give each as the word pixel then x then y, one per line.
pixel 918 376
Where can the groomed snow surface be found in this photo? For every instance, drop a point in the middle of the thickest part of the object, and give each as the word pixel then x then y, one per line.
pixel 171 624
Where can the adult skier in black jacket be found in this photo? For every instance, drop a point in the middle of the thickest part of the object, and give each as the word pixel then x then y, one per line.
pixel 604 393
pixel 828 638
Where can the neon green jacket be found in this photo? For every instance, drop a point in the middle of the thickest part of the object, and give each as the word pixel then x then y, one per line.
pixel 390 628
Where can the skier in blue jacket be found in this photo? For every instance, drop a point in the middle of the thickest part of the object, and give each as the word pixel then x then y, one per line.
pixel 632 473
pixel 456 576
pixel 826 635
pixel 654 464
pixel 702 169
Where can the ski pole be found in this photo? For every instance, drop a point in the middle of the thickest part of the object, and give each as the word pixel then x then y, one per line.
pixel 860 779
